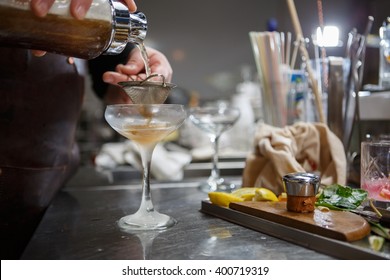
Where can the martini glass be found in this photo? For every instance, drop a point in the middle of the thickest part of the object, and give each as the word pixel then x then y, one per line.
pixel 214 121
pixel 146 125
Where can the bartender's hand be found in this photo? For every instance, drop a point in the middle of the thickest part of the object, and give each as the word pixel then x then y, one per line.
pixel 78 9
pixel 134 69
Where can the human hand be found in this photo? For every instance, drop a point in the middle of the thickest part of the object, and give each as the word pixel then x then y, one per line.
pixel 78 8
pixel 134 69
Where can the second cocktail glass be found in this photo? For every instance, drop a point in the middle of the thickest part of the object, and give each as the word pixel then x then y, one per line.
pixel 214 121
pixel 146 125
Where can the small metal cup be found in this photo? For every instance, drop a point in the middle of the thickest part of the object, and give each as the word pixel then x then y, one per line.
pixel 301 189
pixel 301 184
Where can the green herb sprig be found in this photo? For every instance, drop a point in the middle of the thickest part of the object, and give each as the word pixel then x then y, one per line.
pixel 339 197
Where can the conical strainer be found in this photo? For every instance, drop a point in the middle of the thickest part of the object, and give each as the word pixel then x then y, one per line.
pixel 146 91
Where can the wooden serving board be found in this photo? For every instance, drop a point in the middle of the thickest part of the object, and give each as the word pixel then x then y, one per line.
pixel 340 225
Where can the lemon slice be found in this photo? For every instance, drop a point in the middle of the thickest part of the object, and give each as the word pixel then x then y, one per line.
pixel 263 194
pixel 246 193
pixel 376 242
pixel 223 199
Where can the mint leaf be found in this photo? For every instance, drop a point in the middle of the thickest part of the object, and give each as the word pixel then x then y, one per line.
pixel 340 197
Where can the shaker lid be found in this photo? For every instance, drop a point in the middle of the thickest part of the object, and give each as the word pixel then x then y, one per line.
pixel 126 28
pixel 301 184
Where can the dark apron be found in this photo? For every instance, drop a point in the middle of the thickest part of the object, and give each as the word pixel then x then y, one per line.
pixel 40 103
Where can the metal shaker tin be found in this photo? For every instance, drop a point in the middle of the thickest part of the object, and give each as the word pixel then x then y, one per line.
pixel 301 184
pixel 301 189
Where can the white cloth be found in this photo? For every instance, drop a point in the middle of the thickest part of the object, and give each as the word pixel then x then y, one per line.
pixel 302 147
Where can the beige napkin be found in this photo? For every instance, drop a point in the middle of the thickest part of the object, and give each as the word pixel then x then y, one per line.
pixel 302 147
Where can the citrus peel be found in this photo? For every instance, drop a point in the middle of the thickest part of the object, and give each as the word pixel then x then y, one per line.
pixel 223 199
pixel 242 194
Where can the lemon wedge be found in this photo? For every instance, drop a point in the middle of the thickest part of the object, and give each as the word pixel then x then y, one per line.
pixel 282 196
pixel 376 242
pixel 242 194
pixel 246 193
pixel 224 199
pixel 263 194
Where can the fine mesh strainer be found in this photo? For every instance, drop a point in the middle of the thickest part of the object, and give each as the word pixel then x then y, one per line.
pixel 146 91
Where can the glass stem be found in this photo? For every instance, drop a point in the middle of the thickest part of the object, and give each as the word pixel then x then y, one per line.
pixel 146 152
pixel 215 170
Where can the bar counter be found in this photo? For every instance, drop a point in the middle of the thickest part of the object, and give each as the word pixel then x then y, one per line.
pixel 81 224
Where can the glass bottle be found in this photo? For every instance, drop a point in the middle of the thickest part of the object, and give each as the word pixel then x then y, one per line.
pixel 384 51
pixel 107 27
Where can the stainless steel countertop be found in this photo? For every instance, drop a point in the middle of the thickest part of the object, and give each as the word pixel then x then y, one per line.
pixel 81 224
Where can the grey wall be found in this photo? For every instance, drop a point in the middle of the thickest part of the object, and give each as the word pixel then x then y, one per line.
pixel 207 41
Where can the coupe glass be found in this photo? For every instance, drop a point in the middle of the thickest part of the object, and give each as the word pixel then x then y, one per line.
pixel 214 121
pixel 146 125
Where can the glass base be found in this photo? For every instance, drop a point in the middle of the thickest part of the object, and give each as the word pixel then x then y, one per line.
pixel 142 222
pixel 219 185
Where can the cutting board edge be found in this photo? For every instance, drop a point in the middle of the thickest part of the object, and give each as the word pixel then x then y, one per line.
pixel 348 235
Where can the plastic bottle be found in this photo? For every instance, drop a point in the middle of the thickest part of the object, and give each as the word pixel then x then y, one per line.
pixel 384 51
pixel 107 27
pixel 297 97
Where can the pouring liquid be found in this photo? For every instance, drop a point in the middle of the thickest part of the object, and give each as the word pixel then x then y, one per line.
pixel 145 111
pixel 144 55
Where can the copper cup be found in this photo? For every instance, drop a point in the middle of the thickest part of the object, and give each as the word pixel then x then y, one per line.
pixel 301 189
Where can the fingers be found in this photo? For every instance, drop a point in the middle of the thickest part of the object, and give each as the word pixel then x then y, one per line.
pixel 130 69
pixel 131 5
pixel 160 64
pixel 79 8
pixel 134 69
pixel 38 53
pixel 134 64
pixel 41 7
pixel 112 77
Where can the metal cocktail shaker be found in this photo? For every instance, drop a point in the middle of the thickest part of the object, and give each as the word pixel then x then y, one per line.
pixel 107 27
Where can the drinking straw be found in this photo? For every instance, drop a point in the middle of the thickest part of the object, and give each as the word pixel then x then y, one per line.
pixel 317 63
pixel 257 47
pixel 294 55
pixel 288 48
pixel 267 49
pixel 282 47
pixel 305 55
pixel 273 40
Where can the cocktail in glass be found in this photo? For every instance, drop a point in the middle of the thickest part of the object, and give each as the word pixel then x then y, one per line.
pixel 214 121
pixel 146 125
pixel 375 169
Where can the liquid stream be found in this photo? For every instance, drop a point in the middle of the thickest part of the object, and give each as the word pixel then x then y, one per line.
pixel 145 58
